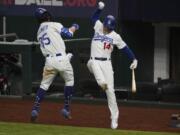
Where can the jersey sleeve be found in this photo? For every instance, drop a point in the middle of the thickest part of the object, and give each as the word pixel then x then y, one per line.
pixel 98 26
pixel 119 42
pixel 96 15
pixel 58 27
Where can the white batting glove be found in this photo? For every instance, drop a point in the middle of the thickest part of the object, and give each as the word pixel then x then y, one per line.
pixel 101 5
pixel 134 64
pixel 69 55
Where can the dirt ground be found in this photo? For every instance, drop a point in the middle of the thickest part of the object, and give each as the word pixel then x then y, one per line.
pixel 87 115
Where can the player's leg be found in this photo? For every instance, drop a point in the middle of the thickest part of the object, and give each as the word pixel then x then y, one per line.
pixel 94 68
pixel 48 77
pixel 68 76
pixel 89 63
pixel 112 103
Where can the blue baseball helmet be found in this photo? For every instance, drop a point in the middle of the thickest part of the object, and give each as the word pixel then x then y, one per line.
pixel 42 15
pixel 109 22
pixel 39 12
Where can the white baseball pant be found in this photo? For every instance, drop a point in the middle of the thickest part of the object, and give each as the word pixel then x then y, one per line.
pixel 103 73
pixel 55 65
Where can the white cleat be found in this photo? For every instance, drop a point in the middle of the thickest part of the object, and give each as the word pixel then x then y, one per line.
pixel 114 123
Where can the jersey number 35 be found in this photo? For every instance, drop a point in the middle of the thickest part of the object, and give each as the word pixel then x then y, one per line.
pixel 44 40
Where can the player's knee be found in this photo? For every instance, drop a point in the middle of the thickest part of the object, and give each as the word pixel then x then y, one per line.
pixel 44 87
pixel 69 83
pixel 89 66
pixel 100 81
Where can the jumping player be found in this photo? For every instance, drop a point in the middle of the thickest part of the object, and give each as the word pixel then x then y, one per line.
pixel 103 42
pixel 57 61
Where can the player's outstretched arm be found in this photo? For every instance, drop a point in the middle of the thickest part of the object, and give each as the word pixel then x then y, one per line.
pixel 97 12
pixel 68 32
pixel 131 56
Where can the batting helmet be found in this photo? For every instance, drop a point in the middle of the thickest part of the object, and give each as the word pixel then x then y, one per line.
pixel 42 15
pixel 109 22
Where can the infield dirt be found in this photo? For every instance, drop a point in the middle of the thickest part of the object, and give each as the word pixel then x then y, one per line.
pixel 87 115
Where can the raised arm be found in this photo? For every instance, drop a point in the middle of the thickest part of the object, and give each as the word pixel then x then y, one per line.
pixel 97 12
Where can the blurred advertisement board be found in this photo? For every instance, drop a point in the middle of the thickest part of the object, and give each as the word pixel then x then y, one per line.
pixel 63 8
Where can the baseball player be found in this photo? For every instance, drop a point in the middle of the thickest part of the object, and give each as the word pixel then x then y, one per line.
pixel 103 42
pixel 57 61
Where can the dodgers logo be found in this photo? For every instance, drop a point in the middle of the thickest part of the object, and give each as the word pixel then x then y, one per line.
pixel 102 38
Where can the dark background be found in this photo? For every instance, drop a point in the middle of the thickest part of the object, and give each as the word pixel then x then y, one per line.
pixel 135 23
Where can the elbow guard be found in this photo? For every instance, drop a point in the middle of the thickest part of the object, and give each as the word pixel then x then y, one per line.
pixel 66 33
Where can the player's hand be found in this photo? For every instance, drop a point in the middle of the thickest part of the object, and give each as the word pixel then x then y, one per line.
pixel 76 26
pixel 69 55
pixel 101 5
pixel 134 64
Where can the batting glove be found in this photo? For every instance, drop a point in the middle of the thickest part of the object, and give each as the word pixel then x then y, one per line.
pixel 134 64
pixel 69 55
pixel 101 5
pixel 76 26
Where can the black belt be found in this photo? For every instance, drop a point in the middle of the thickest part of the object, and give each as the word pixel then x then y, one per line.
pixel 100 58
pixel 58 54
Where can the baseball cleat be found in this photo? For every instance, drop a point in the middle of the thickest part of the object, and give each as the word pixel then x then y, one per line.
pixel 34 115
pixel 66 114
pixel 114 123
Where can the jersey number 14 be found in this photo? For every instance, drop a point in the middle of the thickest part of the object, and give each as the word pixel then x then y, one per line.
pixel 107 46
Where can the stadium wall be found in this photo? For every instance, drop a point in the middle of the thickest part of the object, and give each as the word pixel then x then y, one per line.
pixel 131 32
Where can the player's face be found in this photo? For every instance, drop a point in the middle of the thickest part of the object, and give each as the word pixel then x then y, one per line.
pixel 106 30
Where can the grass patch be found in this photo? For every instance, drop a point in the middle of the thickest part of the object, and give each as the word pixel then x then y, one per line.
pixel 39 129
